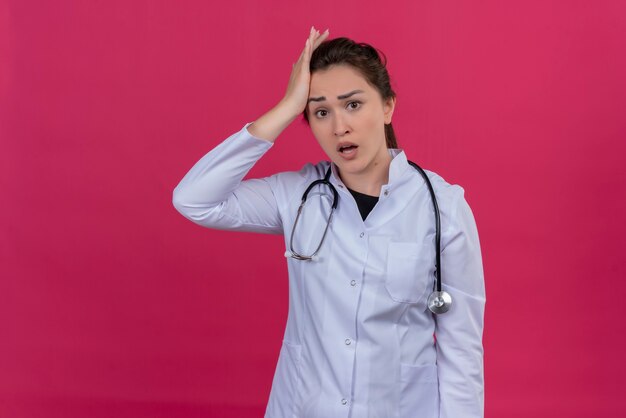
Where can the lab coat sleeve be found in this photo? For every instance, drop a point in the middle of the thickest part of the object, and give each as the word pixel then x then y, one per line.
pixel 213 193
pixel 459 331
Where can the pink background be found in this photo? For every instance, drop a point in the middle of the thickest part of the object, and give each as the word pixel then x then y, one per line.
pixel 113 305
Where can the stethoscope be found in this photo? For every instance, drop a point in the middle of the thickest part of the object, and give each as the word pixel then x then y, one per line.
pixel 439 300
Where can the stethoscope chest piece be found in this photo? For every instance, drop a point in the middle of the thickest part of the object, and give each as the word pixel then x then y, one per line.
pixel 439 302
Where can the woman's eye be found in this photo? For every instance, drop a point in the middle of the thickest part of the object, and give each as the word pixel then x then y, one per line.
pixel 354 105
pixel 321 113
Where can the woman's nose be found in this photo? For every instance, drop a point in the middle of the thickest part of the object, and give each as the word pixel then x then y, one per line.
pixel 341 127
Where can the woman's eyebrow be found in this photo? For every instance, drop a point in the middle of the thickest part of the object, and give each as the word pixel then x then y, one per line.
pixel 340 97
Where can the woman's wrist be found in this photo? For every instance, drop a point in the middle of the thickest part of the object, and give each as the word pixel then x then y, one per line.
pixel 272 123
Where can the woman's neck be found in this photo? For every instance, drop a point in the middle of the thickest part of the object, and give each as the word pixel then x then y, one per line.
pixel 370 180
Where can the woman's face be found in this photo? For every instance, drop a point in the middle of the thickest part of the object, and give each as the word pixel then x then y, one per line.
pixel 348 116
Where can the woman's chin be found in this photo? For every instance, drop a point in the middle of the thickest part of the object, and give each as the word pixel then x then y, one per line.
pixel 351 167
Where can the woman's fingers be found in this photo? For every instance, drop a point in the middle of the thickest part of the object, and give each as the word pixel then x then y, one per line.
pixel 306 53
pixel 307 42
pixel 320 38
pixel 315 35
pixel 314 40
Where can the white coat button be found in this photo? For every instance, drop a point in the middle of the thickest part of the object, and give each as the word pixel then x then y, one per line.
pixel 348 341
pixel 353 283
pixel 344 401
pixel 362 234
pixel 386 192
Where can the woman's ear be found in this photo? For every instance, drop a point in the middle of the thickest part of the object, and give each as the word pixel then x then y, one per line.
pixel 388 107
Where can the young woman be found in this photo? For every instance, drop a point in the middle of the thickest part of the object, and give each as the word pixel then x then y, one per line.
pixel 360 339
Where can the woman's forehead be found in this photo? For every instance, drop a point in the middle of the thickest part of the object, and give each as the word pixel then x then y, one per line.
pixel 337 80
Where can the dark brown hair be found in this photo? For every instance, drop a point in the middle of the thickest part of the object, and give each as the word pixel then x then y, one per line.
pixel 365 59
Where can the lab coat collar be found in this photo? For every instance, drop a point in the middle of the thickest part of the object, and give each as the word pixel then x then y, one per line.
pixel 397 168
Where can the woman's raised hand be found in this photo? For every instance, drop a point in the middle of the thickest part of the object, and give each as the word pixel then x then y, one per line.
pixel 297 93
pixel 272 123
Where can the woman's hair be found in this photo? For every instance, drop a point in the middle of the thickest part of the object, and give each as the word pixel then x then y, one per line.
pixel 365 59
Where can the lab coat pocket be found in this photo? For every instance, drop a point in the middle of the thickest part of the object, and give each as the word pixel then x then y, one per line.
pixel 419 395
pixel 410 271
pixel 285 386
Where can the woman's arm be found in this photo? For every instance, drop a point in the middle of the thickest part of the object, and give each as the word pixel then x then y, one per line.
pixel 459 331
pixel 213 193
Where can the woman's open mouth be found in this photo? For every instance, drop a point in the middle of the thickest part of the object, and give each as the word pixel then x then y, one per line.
pixel 347 150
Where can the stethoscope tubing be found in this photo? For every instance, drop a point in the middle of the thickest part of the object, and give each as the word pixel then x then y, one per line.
pixel 437 225
pixel 439 301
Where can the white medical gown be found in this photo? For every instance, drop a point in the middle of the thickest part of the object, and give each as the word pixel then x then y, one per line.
pixel 359 339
